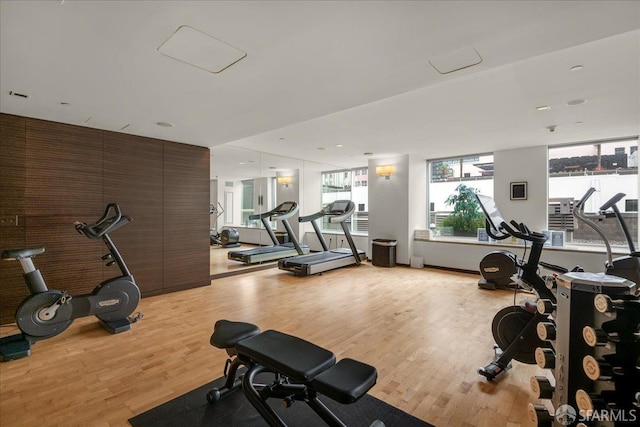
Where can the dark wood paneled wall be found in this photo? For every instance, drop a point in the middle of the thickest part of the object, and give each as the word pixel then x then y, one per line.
pixel 52 174
pixel 13 176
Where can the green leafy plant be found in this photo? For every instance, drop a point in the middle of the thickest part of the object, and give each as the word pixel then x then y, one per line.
pixel 466 216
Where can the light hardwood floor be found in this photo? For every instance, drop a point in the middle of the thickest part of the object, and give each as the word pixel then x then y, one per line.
pixel 425 330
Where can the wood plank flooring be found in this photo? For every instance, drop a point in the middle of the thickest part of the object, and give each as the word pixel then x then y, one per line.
pixel 425 330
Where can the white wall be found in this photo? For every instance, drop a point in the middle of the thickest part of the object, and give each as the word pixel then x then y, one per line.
pixel 417 200
pixel 389 205
pixel 290 193
pixel 334 240
pixel 236 213
pixel 525 164
pixel 468 256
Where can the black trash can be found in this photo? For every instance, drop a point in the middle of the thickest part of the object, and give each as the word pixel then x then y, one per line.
pixel 282 237
pixel 384 252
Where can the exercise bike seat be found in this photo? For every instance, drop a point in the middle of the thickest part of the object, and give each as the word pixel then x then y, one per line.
pixel 14 254
pixel 226 334
pixel 291 356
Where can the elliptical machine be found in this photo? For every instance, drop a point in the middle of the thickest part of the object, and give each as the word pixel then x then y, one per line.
pixel 46 313
pixel 227 238
pixel 514 328
pixel 627 266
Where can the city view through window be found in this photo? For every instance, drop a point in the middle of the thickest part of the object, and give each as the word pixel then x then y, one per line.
pixel 611 167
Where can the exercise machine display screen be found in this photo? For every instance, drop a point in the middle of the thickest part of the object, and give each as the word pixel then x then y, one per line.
pixel 491 211
pixel 339 207
pixel 286 207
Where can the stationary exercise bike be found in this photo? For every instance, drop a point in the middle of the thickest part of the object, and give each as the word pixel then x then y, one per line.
pixel 514 328
pixel 46 313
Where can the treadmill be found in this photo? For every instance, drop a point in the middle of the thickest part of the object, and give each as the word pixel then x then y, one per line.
pixel 282 212
pixel 314 263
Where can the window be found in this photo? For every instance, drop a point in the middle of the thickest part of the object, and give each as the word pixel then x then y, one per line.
pixel 611 167
pixel 247 200
pixel 459 177
pixel 347 185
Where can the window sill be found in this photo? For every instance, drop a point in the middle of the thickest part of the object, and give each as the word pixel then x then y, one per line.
pixel 423 236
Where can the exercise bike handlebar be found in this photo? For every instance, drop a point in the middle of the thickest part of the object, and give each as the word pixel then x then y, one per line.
pixel 583 200
pixel 612 201
pixel 523 232
pixel 578 213
pixel 107 223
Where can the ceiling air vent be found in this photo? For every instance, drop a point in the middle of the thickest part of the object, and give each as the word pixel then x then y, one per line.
pixel 19 95
pixel 201 50
pixel 456 60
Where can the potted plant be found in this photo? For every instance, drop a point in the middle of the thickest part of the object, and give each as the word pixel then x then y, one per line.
pixel 466 217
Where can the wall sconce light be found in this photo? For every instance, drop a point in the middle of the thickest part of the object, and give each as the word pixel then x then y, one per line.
pixel 284 180
pixel 385 170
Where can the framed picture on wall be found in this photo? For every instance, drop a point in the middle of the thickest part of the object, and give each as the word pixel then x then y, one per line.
pixel 519 190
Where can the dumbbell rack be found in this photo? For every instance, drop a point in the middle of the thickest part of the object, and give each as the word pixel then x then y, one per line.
pixel 594 358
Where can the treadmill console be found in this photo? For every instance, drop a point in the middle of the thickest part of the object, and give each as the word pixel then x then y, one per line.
pixel 284 208
pixel 338 207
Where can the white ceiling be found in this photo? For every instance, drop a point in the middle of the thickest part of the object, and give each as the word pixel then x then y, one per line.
pixel 322 73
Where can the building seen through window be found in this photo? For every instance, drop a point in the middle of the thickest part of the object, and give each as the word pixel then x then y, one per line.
pixel 347 185
pixel 611 167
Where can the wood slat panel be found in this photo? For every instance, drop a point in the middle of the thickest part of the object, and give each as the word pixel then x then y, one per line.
pixel 13 172
pixel 13 154
pixel 186 251
pixel 71 261
pixel 12 287
pixel 64 169
pixel 141 244
pixel 69 173
pixel 133 173
pixel 134 178
pixel 186 179
pixel 186 229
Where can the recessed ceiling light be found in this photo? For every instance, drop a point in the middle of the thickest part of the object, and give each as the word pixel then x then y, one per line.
pixel 272 167
pixel 577 68
pixel 578 123
pixel 165 124
pixel 64 103
pixel 576 102
pixel 543 108
pixel 241 163
pixel 320 148
pixel 339 145
pixel 368 154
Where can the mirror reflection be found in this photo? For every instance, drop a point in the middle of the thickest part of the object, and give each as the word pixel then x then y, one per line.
pixel 256 200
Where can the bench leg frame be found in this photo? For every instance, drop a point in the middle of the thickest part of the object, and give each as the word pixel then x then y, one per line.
pixel 257 394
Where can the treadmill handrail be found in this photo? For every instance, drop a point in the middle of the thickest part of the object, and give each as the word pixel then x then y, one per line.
pixel 311 217
pixel 333 218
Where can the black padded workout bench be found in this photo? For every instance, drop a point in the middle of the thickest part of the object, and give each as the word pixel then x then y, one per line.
pixel 302 371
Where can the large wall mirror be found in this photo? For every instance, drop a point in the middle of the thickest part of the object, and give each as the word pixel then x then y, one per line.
pixel 245 183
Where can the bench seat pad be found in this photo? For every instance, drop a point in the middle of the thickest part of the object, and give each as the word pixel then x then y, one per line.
pixel 346 381
pixel 227 334
pixel 291 356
